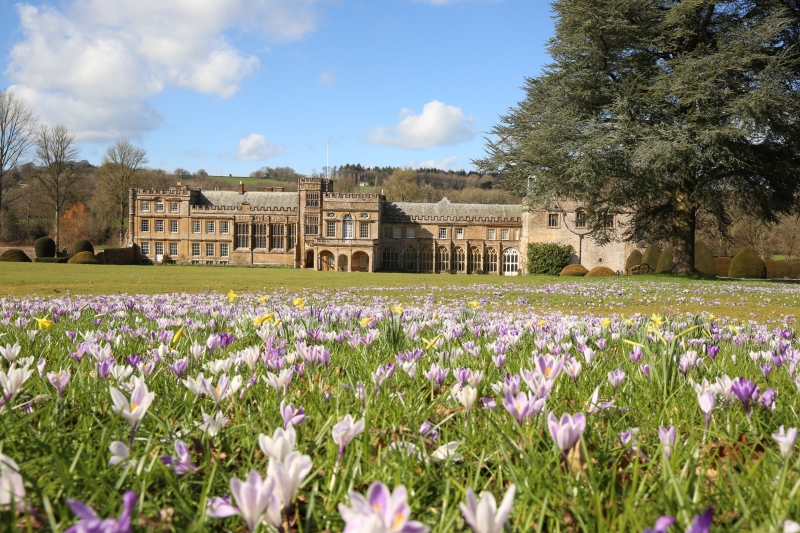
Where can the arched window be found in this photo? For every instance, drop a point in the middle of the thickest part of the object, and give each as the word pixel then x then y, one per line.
pixel 442 259
pixel 510 262
pixel 474 264
pixel 491 260
pixel 390 259
pixel 426 260
pixel 348 227
pixel 410 259
pixel 460 260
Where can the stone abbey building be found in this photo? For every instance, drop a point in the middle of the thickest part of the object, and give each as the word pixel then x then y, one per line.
pixel 316 228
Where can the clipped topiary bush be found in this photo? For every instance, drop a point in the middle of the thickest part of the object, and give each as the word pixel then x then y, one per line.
pixel 723 264
pixel 747 264
pixel 15 255
pixel 82 246
pixel 635 259
pixel 574 270
pixel 777 269
pixel 665 261
pixel 600 272
pixel 45 247
pixel 84 258
pixel 548 258
pixel 651 256
pixel 704 259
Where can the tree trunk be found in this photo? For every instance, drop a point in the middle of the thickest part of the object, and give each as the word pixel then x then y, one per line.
pixel 121 224
pixel 58 228
pixel 684 222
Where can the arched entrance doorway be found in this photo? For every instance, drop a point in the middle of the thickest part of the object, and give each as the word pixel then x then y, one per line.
pixel 310 259
pixel 442 259
pixel 327 261
pixel 343 263
pixel 360 262
pixel 475 263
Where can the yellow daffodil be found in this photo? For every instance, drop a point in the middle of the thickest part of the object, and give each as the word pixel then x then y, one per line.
pixel 178 335
pixel 232 295
pixel 277 322
pixel 711 317
pixel 262 299
pixel 366 320
pixel 299 303
pixel 397 309
pixel 44 323
pixel 260 320
pixel 429 343
pixel 542 323
pixel 474 304
pixel 605 322
pixel 657 320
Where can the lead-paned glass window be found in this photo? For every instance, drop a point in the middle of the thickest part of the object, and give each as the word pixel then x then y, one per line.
pixel 159 248
pixel 224 250
pixel 364 230
pixel 312 225
pixel 276 238
pixel 173 226
pixel 210 226
pixel 173 208
pixel 195 226
pixel 145 206
pixel 411 233
pixel 159 226
pixel 580 219
pixel 442 233
pixel 243 235
pixel 224 227
pixel 491 234
pixel 144 248
pixel 292 229
pixel 459 233
pixel 209 249
pixel 504 234
pixel 195 249
pixel 173 249
pixel 398 232
pixel 260 236
pixel 145 225
pixel 552 220
pixel 312 199
pixel 159 207
pixel 330 230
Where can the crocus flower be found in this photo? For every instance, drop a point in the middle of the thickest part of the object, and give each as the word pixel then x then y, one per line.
pixel 747 391
pixel 482 515
pixel 437 374
pixel 428 430
pixel 667 437
pixel 707 401
pixel 279 382
pixel 662 524
pixel 288 475
pixel 182 462
pixel 790 526
pixel 785 440
pixel 59 380
pixel 767 398
pixel 90 522
pixel 12 491
pixel 702 523
pixel 212 424
pixel 280 445
pixel 224 389
pixel 523 406
pixel 567 431
pixel 382 510
pixel 134 410
pixel 616 377
pixel 292 416
pixel 179 367
pixel 466 396
pixel 119 453
pixel 10 352
pixel 550 366
pixel 573 369
pixel 13 381
pixel 253 497
pixel 345 431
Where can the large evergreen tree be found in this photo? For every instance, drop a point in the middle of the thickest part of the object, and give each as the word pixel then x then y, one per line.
pixel 665 109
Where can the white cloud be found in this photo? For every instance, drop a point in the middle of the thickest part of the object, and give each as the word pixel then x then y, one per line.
pixel 448 163
pixel 326 77
pixel 256 147
pixel 438 125
pixel 93 65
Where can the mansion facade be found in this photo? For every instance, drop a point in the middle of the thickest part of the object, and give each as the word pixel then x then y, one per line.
pixel 317 228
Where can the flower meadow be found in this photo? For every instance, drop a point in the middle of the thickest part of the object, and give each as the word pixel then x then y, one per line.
pixel 402 411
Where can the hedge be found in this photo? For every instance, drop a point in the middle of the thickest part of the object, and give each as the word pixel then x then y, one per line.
pixel 548 258
pixel 15 255
pixel 45 247
pixel 747 264
pixel 574 270
pixel 600 272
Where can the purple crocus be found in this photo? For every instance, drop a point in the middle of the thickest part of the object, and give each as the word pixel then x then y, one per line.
pixel 550 366
pixel 437 375
pixel 567 431
pixel 712 350
pixel 747 391
pixel 616 377
pixel 91 523
pixel 345 431
pixel 380 510
pixel 104 368
pixel 662 524
pixel 767 398
pixel 182 462
pixel 636 354
pixel 291 415
pixel 700 524
pixel 523 406
pixel 667 437
pixel 179 367
pixel 59 380
pixel 428 430
pixel 707 401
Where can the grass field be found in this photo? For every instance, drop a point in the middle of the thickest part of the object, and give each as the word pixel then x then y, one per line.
pixel 749 300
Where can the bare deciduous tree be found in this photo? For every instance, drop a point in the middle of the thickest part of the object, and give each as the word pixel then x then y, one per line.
pixel 56 155
pixel 17 126
pixel 121 170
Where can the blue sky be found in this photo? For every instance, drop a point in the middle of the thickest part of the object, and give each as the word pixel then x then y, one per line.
pixel 233 85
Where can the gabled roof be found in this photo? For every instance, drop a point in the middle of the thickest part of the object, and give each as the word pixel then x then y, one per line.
pixel 256 199
pixel 445 208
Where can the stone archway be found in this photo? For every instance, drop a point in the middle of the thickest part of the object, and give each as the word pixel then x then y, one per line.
pixel 327 261
pixel 343 265
pixel 310 259
pixel 360 262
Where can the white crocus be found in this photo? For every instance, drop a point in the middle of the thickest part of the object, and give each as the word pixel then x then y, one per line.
pixel 11 487
pixel 119 453
pixel 134 410
pixel 10 352
pixel 13 381
pixel 467 396
pixel 483 515
pixel 447 452
pixel 195 385
pixel 212 424
pixel 121 372
pixel 288 475
pixel 253 497
pixel 281 444
pixel 279 382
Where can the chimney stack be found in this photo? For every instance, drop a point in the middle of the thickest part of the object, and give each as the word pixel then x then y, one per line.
pixel 241 187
